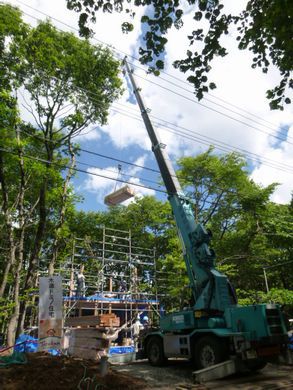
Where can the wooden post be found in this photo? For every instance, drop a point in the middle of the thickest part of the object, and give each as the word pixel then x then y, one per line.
pixel 110 289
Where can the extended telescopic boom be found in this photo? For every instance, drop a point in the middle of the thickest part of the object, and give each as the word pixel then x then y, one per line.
pixel 211 290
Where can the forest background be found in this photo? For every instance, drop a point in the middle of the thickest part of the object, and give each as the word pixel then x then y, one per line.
pixel 39 219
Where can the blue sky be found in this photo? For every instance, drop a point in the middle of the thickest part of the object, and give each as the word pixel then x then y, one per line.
pixel 172 100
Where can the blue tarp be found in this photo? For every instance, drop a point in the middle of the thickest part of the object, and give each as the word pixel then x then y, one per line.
pixel 97 297
pixel 26 343
pixel 121 349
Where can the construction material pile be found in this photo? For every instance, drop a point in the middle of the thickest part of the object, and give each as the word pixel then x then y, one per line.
pixel 46 372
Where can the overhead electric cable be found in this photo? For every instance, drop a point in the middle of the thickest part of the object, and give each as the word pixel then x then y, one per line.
pixel 216 142
pixel 124 174
pixel 251 156
pixel 208 93
pixel 217 104
pixel 205 140
pixel 44 161
pixel 214 110
pixel 81 170
pixel 136 59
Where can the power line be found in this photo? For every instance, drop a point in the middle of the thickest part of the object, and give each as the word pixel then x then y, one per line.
pixel 96 174
pixel 214 110
pixel 249 155
pixel 217 104
pixel 136 59
pixel 205 140
pixel 117 160
pixel 166 125
pixel 199 138
pixel 81 170
pixel 242 150
pixel 174 132
pixel 93 153
pixel 122 173
pixel 63 166
pixel 212 95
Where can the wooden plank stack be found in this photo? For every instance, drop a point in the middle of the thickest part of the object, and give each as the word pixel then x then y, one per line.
pixel 89 337
pixel 88 343
pixel 109 320
pixel 104 320
pixel 119 196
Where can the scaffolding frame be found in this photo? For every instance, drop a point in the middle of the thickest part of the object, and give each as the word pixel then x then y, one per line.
pixel 125 278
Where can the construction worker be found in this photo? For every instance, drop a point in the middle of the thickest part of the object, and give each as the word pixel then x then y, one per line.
pixel 136 329
pixel 80 281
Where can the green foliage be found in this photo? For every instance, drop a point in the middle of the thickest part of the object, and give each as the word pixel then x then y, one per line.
pixel 263 27
pixel 275 295
pixel 66 70
pixel 249 231
pixel 56 70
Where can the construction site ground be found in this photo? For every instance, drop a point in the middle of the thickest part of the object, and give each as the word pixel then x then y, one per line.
pixel 44 372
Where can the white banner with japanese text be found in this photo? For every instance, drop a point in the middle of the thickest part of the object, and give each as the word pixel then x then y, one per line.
pixel 50 312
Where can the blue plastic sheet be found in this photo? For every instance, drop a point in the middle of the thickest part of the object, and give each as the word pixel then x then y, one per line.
pixel 121 349
pixel 26 343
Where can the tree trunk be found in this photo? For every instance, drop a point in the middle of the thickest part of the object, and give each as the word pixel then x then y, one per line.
pixel 13 322
pixel 56 242
pixel 8 228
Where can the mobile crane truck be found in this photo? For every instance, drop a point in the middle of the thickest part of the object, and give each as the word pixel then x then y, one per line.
pixel 215 328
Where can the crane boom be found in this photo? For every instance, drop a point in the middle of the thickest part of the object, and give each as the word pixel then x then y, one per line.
pixel 211 290
pixel 167 171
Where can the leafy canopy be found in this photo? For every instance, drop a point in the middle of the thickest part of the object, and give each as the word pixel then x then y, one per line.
pixel 264 27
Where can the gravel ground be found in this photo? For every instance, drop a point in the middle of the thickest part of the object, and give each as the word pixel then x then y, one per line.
pixel 178 375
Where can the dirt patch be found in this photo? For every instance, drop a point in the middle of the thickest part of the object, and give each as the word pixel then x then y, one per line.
pixel 46 372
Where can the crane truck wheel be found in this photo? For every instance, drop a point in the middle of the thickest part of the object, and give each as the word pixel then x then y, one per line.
pixel 155 351
pixel 210 350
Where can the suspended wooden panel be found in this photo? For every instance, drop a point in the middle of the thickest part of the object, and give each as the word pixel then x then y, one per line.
pixel 119 196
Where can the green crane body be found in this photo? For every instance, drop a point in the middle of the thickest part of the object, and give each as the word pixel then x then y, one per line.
pixel 215 325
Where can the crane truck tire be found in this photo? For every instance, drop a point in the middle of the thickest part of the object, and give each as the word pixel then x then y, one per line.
pixel 155 351
pixel 210 350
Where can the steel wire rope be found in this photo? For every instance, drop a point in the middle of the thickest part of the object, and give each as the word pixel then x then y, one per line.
pixel 136 59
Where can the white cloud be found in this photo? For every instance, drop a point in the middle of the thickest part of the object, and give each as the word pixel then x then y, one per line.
pixel 237 83
pixel 267 175
pixel 98 181
pixel 89 134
